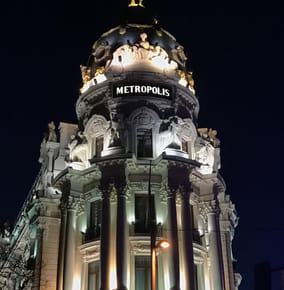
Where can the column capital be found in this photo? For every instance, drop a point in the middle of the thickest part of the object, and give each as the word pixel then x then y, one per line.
pixel 208 207
pixel 122 189
pixel 74 203
pixel 182 193
pixel 171 191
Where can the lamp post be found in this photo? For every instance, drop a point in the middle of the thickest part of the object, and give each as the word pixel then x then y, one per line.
pixel 162 244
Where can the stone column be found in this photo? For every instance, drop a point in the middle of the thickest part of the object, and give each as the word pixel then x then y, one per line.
pixel 226 238
pixel 228 222
pixel 105 240
pixel 187 232
pixel 69 255
pixel 215 253
pixel 84 274
pixel 62 239
pixel 173 237
pixel 121 238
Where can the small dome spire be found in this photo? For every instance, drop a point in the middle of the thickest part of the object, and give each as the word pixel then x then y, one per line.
pixel 137 13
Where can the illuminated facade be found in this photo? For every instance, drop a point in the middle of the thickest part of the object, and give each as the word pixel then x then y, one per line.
pixel 135 170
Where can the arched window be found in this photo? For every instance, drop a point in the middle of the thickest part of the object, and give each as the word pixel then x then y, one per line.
pixel 145 125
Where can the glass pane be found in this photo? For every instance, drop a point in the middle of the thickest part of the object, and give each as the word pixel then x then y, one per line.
pixel 144 143
pixel 142 273
pixel 140 279
pixel 142 213
pixel 93 276
pixel 99 145
pixel 95 219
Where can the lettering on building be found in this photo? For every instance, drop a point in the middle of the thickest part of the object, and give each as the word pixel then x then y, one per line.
pixel 142 90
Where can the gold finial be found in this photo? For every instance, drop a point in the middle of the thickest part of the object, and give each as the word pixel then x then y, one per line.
pixel 134 4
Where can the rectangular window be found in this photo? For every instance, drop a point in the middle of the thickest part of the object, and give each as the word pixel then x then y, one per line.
pixel 144 143
pixel 94 228
pixel 94 275
pixel 142 273
pixel 142 213
pixel 99 145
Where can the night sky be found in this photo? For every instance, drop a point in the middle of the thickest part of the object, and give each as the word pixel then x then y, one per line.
pixel 235 50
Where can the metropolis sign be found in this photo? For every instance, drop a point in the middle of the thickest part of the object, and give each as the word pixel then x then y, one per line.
pixel 151 90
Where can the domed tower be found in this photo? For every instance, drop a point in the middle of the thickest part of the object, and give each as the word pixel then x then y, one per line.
pixel 143 171
pixel 135 172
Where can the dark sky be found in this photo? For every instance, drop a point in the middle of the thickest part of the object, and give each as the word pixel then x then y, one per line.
pixel 235 50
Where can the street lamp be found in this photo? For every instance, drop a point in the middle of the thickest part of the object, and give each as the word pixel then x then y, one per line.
pixel 162 244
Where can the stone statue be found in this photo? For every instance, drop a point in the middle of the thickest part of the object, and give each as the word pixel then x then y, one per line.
pixel 209 135
pixel 169 134
pixel 208 153
pixel 190 81
pixel 102 53
pixel 114 138
pixel 179 56
pixel 52 137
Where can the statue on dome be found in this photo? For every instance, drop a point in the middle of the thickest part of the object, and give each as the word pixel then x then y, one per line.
pixel 187 77
pixel 179 56
pixel 134 4
pixel 102 53
pixel 190 81
pixel 144 47
pixel 100 70
pixel 85 73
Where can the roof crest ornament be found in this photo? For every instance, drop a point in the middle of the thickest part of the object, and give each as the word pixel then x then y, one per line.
pixel 134 4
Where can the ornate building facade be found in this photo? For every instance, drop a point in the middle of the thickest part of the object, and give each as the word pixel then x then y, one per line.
pixel 133 172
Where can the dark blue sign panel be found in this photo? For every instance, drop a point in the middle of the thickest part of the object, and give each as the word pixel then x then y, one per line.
pixel 150 90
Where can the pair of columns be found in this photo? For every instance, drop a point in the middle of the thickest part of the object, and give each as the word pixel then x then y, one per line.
pixel 186 233
pixel 121 242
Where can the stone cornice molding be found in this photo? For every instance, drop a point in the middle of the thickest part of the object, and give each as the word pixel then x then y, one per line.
pixel 90 252
pixel 194 198
pixel 141 247
pixel 144 117
pixel 94 193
